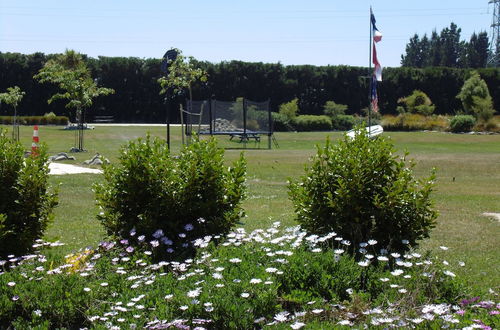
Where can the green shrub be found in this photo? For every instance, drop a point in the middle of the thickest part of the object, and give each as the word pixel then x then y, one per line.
pixel 476 98
pixel 308 123
pixel 417 102
pixel 7 120
pixel 35 120
pixel 50 115
pixel 187 197
pixel 281 123
pixel 490 126
pixel 462 123
pixel 25 201
pixel 333 109
pixel 290 109
pixel 343 122
pixel 361 190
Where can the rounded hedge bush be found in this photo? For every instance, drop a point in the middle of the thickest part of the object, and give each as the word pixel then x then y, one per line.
pixel 308 123
pixel 462 123
pixel 171 201
pixel 360 189
pixel 343 122
pixel 26 204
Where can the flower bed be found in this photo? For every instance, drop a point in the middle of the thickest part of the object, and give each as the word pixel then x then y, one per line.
pixel 272 277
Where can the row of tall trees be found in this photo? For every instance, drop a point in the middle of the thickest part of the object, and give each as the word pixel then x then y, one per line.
pixel 446 49
pixel 137 91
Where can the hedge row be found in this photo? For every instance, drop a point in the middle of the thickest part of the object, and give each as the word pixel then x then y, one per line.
pixel 402 122
pixel 137 96
pixel 35 120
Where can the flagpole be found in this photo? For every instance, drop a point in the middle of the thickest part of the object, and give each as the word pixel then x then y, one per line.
pixel 370 73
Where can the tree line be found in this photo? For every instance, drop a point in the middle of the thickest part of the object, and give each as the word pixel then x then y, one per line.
pixel 446 49
pixel 137 92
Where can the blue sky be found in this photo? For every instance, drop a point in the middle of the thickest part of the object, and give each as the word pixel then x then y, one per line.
pixel 317 32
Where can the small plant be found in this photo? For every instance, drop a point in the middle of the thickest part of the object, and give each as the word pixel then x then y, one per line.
pixel 171 201
pixel 476 98
pixel 462 123
pixel 25 201
pixel 418 102
pixel 290 109
pixel 360 189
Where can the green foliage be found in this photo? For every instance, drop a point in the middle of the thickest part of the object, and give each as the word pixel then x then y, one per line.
pixel 249 279
pixel 25 201
pixel 71 74
pixel 308 123
pixel 333 109
pixel 361 190
pixel 415 122
pixel 475 97
pixel 35 120
pixel 462 123
pixel 289 109
pixel 336 112
pixel 50 115
pixel 323 276
pixel 182 73
pixel 345 122
pixel 12 97
pixel 418 102
pixel 137 100
pixel 281 123
pixel 447 50
pixel 186 197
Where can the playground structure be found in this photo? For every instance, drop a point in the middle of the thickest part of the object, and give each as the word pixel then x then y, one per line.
pixel 242 120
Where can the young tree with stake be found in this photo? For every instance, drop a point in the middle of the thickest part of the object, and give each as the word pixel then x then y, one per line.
pixel 12 97
pixel 71 74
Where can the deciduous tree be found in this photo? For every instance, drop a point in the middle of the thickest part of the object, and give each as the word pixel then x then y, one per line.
pixel 12 97
pixel 71 74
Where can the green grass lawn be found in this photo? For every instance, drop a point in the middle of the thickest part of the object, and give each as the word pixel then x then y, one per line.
pixel 468 184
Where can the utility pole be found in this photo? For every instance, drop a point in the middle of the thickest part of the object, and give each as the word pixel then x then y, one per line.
pixel 494 53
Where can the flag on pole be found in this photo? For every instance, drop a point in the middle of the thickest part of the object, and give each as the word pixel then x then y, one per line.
pixel 377 36
pixel 377 71
pixel 374 97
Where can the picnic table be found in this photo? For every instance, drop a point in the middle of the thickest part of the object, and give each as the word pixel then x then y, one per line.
pixel 245 137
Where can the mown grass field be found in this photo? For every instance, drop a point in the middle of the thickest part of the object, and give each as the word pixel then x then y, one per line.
pixel 468 184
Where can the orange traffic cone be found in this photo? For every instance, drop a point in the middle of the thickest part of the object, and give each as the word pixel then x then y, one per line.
pixel 34 144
